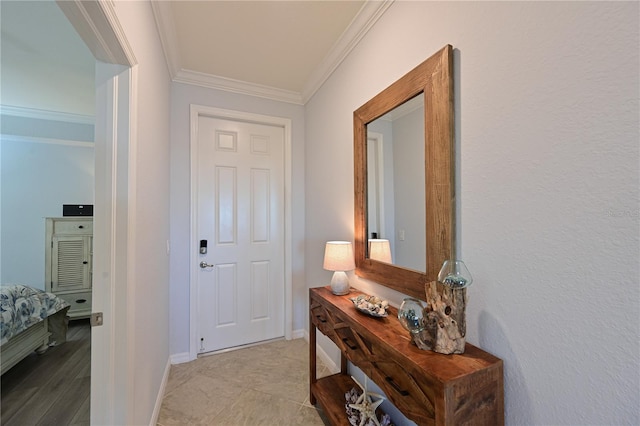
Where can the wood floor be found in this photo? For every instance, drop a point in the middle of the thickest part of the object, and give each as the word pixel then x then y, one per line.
pixel 52 388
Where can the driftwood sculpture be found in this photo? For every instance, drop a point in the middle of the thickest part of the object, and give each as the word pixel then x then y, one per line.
pixel 445 324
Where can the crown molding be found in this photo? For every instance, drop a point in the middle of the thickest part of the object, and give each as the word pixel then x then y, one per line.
pixel 42 114
pixel 49 141
pixel 371 11
pixel 365 19
pixel 236 86
pixel 163 15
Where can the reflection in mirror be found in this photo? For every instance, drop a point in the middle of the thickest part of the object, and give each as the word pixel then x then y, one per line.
pixel 395 186
pixel 380 250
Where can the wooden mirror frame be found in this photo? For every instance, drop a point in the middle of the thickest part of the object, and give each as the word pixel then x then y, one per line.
pixel 433 78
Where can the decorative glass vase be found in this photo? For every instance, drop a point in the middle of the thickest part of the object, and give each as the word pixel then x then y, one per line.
pixel 411 315
pixel 454 274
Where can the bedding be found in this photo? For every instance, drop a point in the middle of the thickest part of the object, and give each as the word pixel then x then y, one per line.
pixel 22 306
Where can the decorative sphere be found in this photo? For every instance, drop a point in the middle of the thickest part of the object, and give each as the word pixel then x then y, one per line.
pixel 411 315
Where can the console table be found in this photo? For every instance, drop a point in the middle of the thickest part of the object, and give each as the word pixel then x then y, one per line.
pixel 429 388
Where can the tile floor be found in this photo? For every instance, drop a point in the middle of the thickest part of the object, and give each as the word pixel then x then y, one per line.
pixel 266 384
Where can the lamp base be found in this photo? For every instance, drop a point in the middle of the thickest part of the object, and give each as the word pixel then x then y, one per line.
pixel 340 283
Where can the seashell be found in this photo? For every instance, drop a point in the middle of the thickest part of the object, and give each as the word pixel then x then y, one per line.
pixel 370 304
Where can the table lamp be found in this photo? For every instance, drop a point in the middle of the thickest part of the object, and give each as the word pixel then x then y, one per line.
pixel 338 257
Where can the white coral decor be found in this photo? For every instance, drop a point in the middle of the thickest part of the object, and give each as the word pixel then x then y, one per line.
pixel 361 409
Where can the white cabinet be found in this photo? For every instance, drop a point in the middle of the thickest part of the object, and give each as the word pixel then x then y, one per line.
pixel 68 262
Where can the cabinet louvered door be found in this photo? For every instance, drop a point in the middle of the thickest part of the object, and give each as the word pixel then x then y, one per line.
pixel 71 263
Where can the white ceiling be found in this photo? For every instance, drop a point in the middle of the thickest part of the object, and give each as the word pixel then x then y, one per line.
pixel 276 44
pixel 281 50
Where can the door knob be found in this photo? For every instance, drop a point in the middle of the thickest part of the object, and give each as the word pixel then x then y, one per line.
pixel 204 264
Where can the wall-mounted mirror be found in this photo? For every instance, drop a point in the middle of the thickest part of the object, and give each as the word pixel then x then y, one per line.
pixel 404 178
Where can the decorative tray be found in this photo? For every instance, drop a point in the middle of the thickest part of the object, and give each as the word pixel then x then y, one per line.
pixel 370 305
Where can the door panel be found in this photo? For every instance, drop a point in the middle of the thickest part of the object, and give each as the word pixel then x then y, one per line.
pixel 225 297
pixel 226 202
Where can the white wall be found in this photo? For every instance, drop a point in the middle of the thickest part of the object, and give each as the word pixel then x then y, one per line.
pixel 182 97
pixel 548 205
pixel 45 64
pixel 148 312
pixel 36 179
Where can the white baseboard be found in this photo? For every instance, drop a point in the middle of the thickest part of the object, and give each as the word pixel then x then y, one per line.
pixel 180 358
pixel 160 397
pixel 326 359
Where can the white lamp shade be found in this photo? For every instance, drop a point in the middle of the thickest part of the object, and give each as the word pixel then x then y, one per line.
pixel 338 256
pixel 380 250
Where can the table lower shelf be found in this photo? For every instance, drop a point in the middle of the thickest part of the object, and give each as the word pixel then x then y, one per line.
pixel 329 393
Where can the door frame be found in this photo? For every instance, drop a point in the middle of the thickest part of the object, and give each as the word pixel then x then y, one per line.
pixel 112 344
pixel 196 111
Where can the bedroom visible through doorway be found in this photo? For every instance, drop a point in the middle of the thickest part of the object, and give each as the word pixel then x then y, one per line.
pixel 48 160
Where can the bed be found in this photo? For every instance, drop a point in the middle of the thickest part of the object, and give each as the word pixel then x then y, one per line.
pixel 30 319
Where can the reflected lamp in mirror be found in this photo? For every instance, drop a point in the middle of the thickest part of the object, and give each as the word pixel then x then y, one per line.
pixel 380 250
pixel 454 274
pixel 338 257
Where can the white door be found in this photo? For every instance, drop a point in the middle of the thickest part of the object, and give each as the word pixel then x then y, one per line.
pixel 375 186
pixel 240 215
